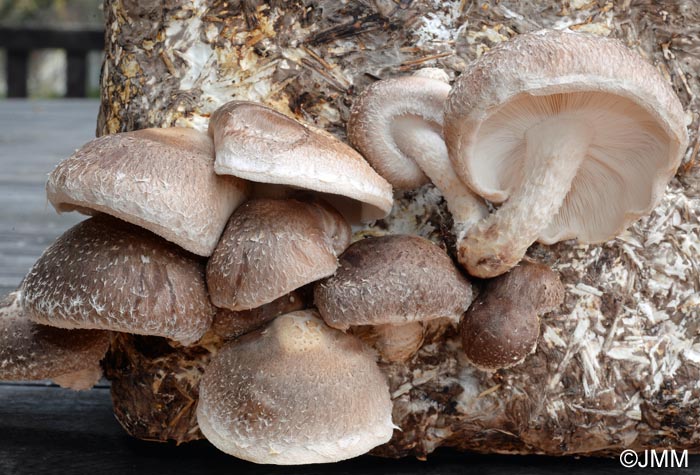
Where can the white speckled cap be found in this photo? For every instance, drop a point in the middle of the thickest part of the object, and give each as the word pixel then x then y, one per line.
pixel 106 274
pixel 29 351
pixel 160 179
pixel 261 145
pixel 296 392
pixel 392 280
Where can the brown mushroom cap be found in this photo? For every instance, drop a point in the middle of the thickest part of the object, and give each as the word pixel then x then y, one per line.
pixel 392 279
pixel 296 392
pixel 160 179
pixel 271 247
pixel 502 326
pixel 30 352
pixel 575 134
pixel 230 325
pixel 261 145
pixel 106 274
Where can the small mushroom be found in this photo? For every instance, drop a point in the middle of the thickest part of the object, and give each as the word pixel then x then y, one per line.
pixel 502 326
pixel 295 392
pixel 393 283
pixel 261 145
pixel 30 352
pixel 396 124
pixel 230 325
pixel 106 274
pixel 160 179
pixel 575 134
pixel 272 247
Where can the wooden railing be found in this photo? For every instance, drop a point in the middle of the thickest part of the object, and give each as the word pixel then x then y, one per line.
pixel 19 42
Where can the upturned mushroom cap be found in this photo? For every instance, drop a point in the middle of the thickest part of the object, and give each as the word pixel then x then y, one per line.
pixel 230 325
pixel 392 280
pixel 396 124
pixel 296 392
pixel 261 145
pixel 271 247
pixel 30 352
pixel 160 179
pixel 106 274
pixel 502 326
pixel 575 134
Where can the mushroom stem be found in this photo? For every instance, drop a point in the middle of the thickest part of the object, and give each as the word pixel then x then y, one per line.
pixel 80 380
pixel 555 149
pixel 422 141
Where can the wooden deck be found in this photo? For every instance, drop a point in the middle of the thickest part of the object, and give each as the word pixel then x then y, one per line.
pixel 45 429
pixel 34 137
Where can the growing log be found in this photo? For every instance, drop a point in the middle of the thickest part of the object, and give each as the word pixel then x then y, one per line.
pixel 618 366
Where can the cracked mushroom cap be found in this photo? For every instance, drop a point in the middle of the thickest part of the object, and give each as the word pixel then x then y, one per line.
pixel 160 179
pixel 30 352
pixel 272 247
pixel 106 274
pixel 502 326
pixel 575 134
pixel 261 145
pixel 296 392
pixel 392 280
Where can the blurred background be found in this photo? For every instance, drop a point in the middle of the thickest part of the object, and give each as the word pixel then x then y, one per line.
pixel 49 44
pixel 50 58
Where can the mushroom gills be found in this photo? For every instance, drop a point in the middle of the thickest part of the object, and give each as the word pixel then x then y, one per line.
pixel 614 148
pixel 555 149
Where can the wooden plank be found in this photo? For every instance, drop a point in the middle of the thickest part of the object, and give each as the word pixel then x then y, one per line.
pixel 34 137
pixel 17 68
pixel 27 39
pixel 52 430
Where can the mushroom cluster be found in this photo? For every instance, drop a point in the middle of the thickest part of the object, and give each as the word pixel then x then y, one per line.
pixel 242 239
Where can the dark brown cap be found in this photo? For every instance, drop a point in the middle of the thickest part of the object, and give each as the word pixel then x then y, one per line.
pixel 271 247
pixel 229 324
pixel 502 326
pixel 392 279
pixel 106 274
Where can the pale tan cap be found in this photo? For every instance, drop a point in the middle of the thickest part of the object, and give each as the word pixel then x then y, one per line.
pixel 296 392
pixel 160 179
pixel 261 145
